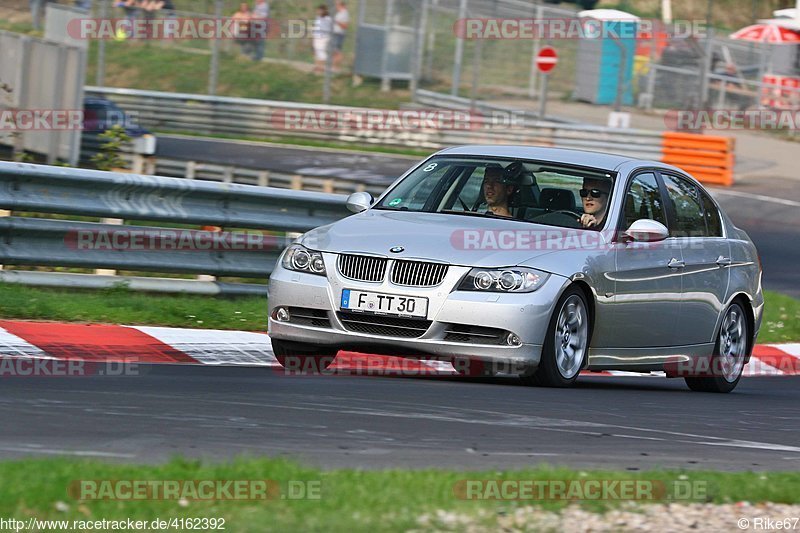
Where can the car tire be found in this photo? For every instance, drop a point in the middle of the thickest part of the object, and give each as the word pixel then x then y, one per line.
pixel 566 343
pixel 303 359
pixel 730 352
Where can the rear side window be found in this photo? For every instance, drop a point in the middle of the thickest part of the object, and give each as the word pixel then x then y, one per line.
pixel 713 219
pixel 643 200
pixel 687 205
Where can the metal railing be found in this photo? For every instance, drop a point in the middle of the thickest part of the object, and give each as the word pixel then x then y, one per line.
pixel 175 202
pixel 261 118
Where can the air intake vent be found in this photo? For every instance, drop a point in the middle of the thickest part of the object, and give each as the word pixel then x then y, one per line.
pixel 418 273
pixel 384 325
pixel 309 317
pixel 362 267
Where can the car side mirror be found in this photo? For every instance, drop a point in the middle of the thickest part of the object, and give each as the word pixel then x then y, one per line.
pixel 646 230
pixel 359 201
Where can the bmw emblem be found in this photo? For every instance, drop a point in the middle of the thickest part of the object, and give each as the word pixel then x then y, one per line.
pixel 396 249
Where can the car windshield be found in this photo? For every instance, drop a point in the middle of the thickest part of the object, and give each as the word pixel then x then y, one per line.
pixel 532 191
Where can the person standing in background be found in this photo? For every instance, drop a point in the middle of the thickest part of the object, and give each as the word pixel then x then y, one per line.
pixel 260 14
pixel 321 38
pixel 241 21
pixel 341 21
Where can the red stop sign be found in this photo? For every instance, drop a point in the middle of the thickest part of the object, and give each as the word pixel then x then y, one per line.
pixel 546 59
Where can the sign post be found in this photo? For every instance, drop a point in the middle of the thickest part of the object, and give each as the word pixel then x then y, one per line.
pixel 546 61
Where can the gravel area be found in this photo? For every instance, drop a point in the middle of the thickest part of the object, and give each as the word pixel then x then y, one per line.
pixel 705 517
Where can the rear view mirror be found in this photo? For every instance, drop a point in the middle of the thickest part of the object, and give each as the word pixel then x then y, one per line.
pixel 647 230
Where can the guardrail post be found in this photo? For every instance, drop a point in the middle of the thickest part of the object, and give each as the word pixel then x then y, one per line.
pixel 263 178
pixel 327 186
pixel 108 271
pixel 4 213
pixel 208 277
pixel 227 175
pixel 138 164
pixel 191 169
pixel 297 182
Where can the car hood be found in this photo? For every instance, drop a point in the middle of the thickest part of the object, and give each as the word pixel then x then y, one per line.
pixel 454 239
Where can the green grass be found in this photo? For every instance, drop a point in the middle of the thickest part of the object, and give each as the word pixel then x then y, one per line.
pixel 157 67
pixel 349 500
pixel 781 321
pixel 122 306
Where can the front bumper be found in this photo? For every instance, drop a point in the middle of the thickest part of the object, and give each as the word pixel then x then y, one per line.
pixel 525 314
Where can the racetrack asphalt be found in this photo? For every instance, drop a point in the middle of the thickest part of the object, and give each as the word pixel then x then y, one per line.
pixel 380 422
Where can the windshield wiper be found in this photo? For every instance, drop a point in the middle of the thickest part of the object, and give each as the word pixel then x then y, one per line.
pixel 390 208
pixel 487 214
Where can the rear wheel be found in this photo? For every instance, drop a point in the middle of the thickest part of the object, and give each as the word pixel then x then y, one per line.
pixel 302 358
pixel 730 351
pixel 566 343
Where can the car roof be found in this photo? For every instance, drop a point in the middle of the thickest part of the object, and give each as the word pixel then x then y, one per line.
pixel 556 155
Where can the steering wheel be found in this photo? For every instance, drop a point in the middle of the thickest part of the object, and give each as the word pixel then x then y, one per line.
pixel 568 212
pixel 561 217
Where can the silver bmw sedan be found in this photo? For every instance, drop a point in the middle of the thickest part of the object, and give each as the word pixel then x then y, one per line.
pixel 537 261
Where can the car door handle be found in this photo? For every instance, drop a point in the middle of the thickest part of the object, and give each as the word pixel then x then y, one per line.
pixel 724 261
pixel 674 263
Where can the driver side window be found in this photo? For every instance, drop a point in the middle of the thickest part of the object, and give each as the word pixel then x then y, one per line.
pixel 643 200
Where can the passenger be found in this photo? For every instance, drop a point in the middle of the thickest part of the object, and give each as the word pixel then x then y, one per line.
pixel 497 190
pixel 594 196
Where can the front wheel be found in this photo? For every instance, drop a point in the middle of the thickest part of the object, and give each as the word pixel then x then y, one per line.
pixel 566 343
pixel 303 360
pixel 730 351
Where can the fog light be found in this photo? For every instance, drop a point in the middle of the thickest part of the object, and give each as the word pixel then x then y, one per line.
pixel 282 315
pixel 513 340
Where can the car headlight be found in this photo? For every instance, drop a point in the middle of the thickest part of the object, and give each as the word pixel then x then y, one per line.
pixel 512 279
pixel 298 257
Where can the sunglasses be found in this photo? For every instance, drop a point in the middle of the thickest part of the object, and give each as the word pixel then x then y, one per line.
pixel 595 193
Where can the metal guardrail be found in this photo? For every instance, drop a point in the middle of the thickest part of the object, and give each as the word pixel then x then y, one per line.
pixel 264 176
pixel 90 193
pixel 260 118
pixel 69 191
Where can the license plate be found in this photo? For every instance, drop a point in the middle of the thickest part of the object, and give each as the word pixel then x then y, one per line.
pixel 384 304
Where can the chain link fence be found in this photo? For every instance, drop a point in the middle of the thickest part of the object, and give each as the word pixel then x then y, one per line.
pixel 417 42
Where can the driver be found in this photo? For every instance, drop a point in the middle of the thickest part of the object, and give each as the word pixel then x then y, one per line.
pixel 594 196
pixel 497 190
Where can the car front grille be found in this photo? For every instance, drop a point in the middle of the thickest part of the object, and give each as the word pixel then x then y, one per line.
pixel 362 267
pixel 418 273
pixel 387 326
pixel 474 334
pixel 309 317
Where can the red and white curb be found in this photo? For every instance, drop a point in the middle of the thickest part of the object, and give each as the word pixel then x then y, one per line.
pixel 148 344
